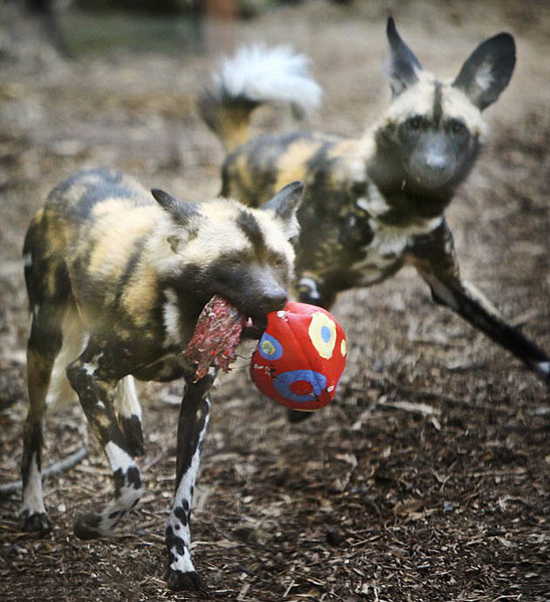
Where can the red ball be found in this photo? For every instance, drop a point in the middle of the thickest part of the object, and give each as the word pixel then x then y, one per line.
pixel 300 357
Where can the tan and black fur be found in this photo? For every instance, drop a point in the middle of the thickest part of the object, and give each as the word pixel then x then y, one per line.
pixel 116 282
pixel 375 203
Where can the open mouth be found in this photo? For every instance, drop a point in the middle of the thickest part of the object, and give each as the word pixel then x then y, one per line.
pixel 254 327
pixel 220 328
pixel 431 177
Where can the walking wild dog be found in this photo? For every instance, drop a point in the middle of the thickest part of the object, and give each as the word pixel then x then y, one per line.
pixel 116 283
pixel 376 203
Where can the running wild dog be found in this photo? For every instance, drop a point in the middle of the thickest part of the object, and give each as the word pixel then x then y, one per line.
pixel 116 283
pixel 373 204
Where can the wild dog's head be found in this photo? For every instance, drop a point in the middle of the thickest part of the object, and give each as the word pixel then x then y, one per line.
pixel 430 135
pixel 222 247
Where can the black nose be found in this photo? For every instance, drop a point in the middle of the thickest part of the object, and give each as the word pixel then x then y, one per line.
pixel 437 163
pixel 274 300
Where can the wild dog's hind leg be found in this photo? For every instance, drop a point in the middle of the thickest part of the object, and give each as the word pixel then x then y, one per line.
pixel 192 424
pixel 45 342
pixel 129 415
pixel 94 381
pixel 311 289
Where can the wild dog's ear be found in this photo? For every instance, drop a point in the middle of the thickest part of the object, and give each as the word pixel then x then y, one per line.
pixel 403 65
pixel 181 211
pixel 285 204
pixel 488 70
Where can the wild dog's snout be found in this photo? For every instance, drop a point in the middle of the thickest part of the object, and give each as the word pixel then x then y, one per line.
pixel 273 300
pixel 436 163
pixel 271 295
pixel 263 291
pixel 433 163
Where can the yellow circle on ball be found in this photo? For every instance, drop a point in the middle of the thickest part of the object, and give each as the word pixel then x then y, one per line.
pixel 322 332
pixel 343 347
pixel 268 348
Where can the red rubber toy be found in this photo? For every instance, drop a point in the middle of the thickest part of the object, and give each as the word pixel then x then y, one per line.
pixel 300 357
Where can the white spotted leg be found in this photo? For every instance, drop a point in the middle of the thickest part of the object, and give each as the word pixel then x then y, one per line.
pixel 192 424
pixel 96 387
pixel 129 415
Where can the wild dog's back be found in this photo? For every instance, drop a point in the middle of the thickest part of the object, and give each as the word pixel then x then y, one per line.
pixel 79 194
pixel 334 228
pixel 255 170
pixel 79 200
pixel 91 226
pixel 73 206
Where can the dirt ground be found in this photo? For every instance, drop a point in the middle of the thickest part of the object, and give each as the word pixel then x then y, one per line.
pixel 428 479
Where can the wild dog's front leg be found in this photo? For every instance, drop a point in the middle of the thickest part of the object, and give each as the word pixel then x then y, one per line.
pixel 435 260
pixel 192 424
pixel 311 289
pixel 478 311
pixel 96 388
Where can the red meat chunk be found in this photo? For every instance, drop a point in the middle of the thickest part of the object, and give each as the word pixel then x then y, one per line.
pixel 217 334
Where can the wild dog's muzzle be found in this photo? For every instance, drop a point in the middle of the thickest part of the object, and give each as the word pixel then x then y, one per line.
pixel 433 164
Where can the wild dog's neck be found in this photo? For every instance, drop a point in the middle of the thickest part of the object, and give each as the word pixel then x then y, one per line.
pixel 180 283
pixel 181 309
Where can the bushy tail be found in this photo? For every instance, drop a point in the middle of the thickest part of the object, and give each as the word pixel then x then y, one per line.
pixel 254 76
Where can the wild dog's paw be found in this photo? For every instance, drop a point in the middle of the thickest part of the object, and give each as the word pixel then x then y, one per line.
pixel 37 521
pixel 295 416
pixel 87 526
pixel 132 429
pixel 180 580
pixel 543 369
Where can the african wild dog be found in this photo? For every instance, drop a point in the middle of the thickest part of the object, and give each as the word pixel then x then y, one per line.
pixel 376 203
pixel 116 283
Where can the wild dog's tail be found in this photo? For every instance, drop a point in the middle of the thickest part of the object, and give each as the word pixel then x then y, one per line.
pixel 256 75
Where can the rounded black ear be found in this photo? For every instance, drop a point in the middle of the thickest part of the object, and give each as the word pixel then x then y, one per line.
pixel 181 211
pixel 488 70
pixel 286 202
pixel 403 65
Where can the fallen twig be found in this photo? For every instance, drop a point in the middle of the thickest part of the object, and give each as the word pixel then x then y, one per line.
pixel 407 406
pixel 55 468
pixel 426 393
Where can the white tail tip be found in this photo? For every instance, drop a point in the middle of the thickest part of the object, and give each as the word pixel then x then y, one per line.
pixel 277 74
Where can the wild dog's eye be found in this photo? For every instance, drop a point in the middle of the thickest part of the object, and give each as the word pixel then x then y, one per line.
pixel 457 128
pixel 278 261
pixel 414 123
pixel 234 261
pixel 174 243
pixel 411 127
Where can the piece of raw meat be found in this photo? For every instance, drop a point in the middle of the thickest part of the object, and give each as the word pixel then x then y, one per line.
pixel 217 334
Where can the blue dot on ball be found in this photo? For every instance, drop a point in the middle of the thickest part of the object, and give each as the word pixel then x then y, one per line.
pixel 270 348
pixel 325 334
pixel 283 382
